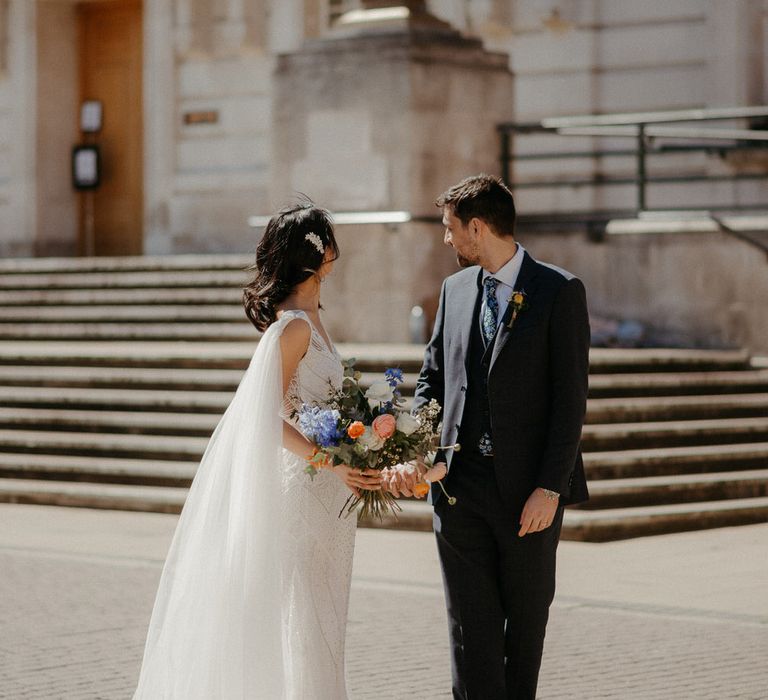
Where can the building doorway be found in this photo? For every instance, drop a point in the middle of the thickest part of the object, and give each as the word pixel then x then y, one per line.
pixel 110 41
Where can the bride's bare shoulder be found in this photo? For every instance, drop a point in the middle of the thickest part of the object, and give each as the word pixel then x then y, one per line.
pixel 295 337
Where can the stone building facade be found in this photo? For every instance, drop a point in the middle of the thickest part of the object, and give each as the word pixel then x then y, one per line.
pixel 216 110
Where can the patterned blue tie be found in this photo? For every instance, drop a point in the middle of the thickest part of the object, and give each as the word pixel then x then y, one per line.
pixel 490 317
pixel 491 313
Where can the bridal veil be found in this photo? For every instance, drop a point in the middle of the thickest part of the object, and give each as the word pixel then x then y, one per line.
pixel 215 630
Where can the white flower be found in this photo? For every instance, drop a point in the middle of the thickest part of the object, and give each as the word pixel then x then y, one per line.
pixel 379 392
pixel 370 440
pixel 407 424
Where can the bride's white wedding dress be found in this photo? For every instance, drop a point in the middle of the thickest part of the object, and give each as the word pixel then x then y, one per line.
pixel 253 598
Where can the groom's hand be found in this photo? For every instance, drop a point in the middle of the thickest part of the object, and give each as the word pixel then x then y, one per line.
pixel 538 513
pixel 402 478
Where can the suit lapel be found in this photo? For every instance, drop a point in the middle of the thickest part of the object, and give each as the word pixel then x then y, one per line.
pixel 467 311
pixel 525 282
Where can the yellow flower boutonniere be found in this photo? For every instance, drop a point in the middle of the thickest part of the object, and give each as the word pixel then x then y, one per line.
pixel 519 302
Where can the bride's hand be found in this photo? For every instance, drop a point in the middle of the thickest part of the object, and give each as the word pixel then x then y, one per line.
pixel 356 479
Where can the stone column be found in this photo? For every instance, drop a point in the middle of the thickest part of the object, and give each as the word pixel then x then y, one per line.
pixel 736 50
pixel 159 82
pixel 384 113
pixel 286 26
pixel 18 199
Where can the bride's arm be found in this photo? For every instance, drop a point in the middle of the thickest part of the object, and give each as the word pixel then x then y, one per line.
pixel 294 343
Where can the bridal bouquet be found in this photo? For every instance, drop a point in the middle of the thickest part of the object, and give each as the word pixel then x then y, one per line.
pixel 370 429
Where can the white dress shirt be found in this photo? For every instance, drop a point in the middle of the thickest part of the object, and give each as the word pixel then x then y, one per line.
pixel 507 277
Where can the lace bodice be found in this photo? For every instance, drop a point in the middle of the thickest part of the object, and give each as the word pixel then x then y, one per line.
pixel 319 371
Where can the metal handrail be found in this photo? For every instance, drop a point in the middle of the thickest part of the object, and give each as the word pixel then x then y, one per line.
pixel 642 127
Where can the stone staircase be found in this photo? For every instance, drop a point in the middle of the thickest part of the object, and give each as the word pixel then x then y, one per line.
pixel 114 372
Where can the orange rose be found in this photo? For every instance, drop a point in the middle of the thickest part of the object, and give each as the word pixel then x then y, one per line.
pixel 319 460
pixel 384 425
pixel 421 489
pixel 518 299
pixel 355 430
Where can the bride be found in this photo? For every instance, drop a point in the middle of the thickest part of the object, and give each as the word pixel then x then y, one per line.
pixel 253 598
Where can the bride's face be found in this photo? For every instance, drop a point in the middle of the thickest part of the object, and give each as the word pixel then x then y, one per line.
pixel 327 267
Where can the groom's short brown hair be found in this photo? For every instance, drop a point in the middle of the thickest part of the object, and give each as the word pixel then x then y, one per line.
pixel 485 197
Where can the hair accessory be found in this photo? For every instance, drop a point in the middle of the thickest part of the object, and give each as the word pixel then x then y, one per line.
pixel 316 241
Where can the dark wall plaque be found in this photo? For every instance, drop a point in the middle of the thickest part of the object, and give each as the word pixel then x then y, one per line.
pixel 210 117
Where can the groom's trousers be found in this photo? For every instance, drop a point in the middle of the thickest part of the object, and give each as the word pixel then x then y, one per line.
pixel 498 586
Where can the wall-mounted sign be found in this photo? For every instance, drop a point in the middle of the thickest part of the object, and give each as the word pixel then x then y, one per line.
pixel 209 117
pixel 90 116
pixel 86 169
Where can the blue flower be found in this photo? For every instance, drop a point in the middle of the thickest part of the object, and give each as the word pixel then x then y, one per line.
pixel 321 425
pixel 394 375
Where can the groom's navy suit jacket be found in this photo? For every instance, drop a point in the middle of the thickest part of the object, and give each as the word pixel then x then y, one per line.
pixel 537 379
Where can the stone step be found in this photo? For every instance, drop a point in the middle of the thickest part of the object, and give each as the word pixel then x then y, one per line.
pixel 625 436
pixel 198 354
pixel 179 296
pixel 619 360
pixel 119 399
pixel 625 464
pixel 589 526
pixel 206 379
pixel 143 447
pixel 194 332
pixel 155 499
pixel 677 383
pixel 667 383
pixel 104 314
pixel 748 405
pixel 121 377
pixel 618 523
pixel 100 469
pixel 675 460
pixel 623 523
pixel 128 263
pixel 595 438
pixel 139 378
pixel 131 422
pixel 672 408
pixel 676 488
pixel 129 279
pixel 149 353
pixel 142 378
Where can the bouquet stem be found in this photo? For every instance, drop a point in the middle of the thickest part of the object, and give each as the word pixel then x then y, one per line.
pixel 372 504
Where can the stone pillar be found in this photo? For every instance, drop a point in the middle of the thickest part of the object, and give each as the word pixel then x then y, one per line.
pixel 18 174
pixel 286 26
pixel 159 124
pixel 738 61
pixel 57 128
pixel 384 113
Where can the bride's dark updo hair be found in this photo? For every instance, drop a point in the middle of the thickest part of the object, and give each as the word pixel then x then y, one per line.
pixel 286 256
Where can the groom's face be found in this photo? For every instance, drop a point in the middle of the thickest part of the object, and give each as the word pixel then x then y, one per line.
pixel 463 239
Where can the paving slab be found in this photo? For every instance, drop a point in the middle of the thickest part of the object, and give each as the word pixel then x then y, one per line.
pixel 681 616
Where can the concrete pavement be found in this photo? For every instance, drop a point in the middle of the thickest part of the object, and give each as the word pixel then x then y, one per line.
pixel 674 616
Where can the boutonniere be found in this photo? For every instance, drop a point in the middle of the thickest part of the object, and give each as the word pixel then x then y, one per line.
pixel 519 302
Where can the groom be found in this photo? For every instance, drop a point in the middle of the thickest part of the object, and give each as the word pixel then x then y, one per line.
pixel 508 361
